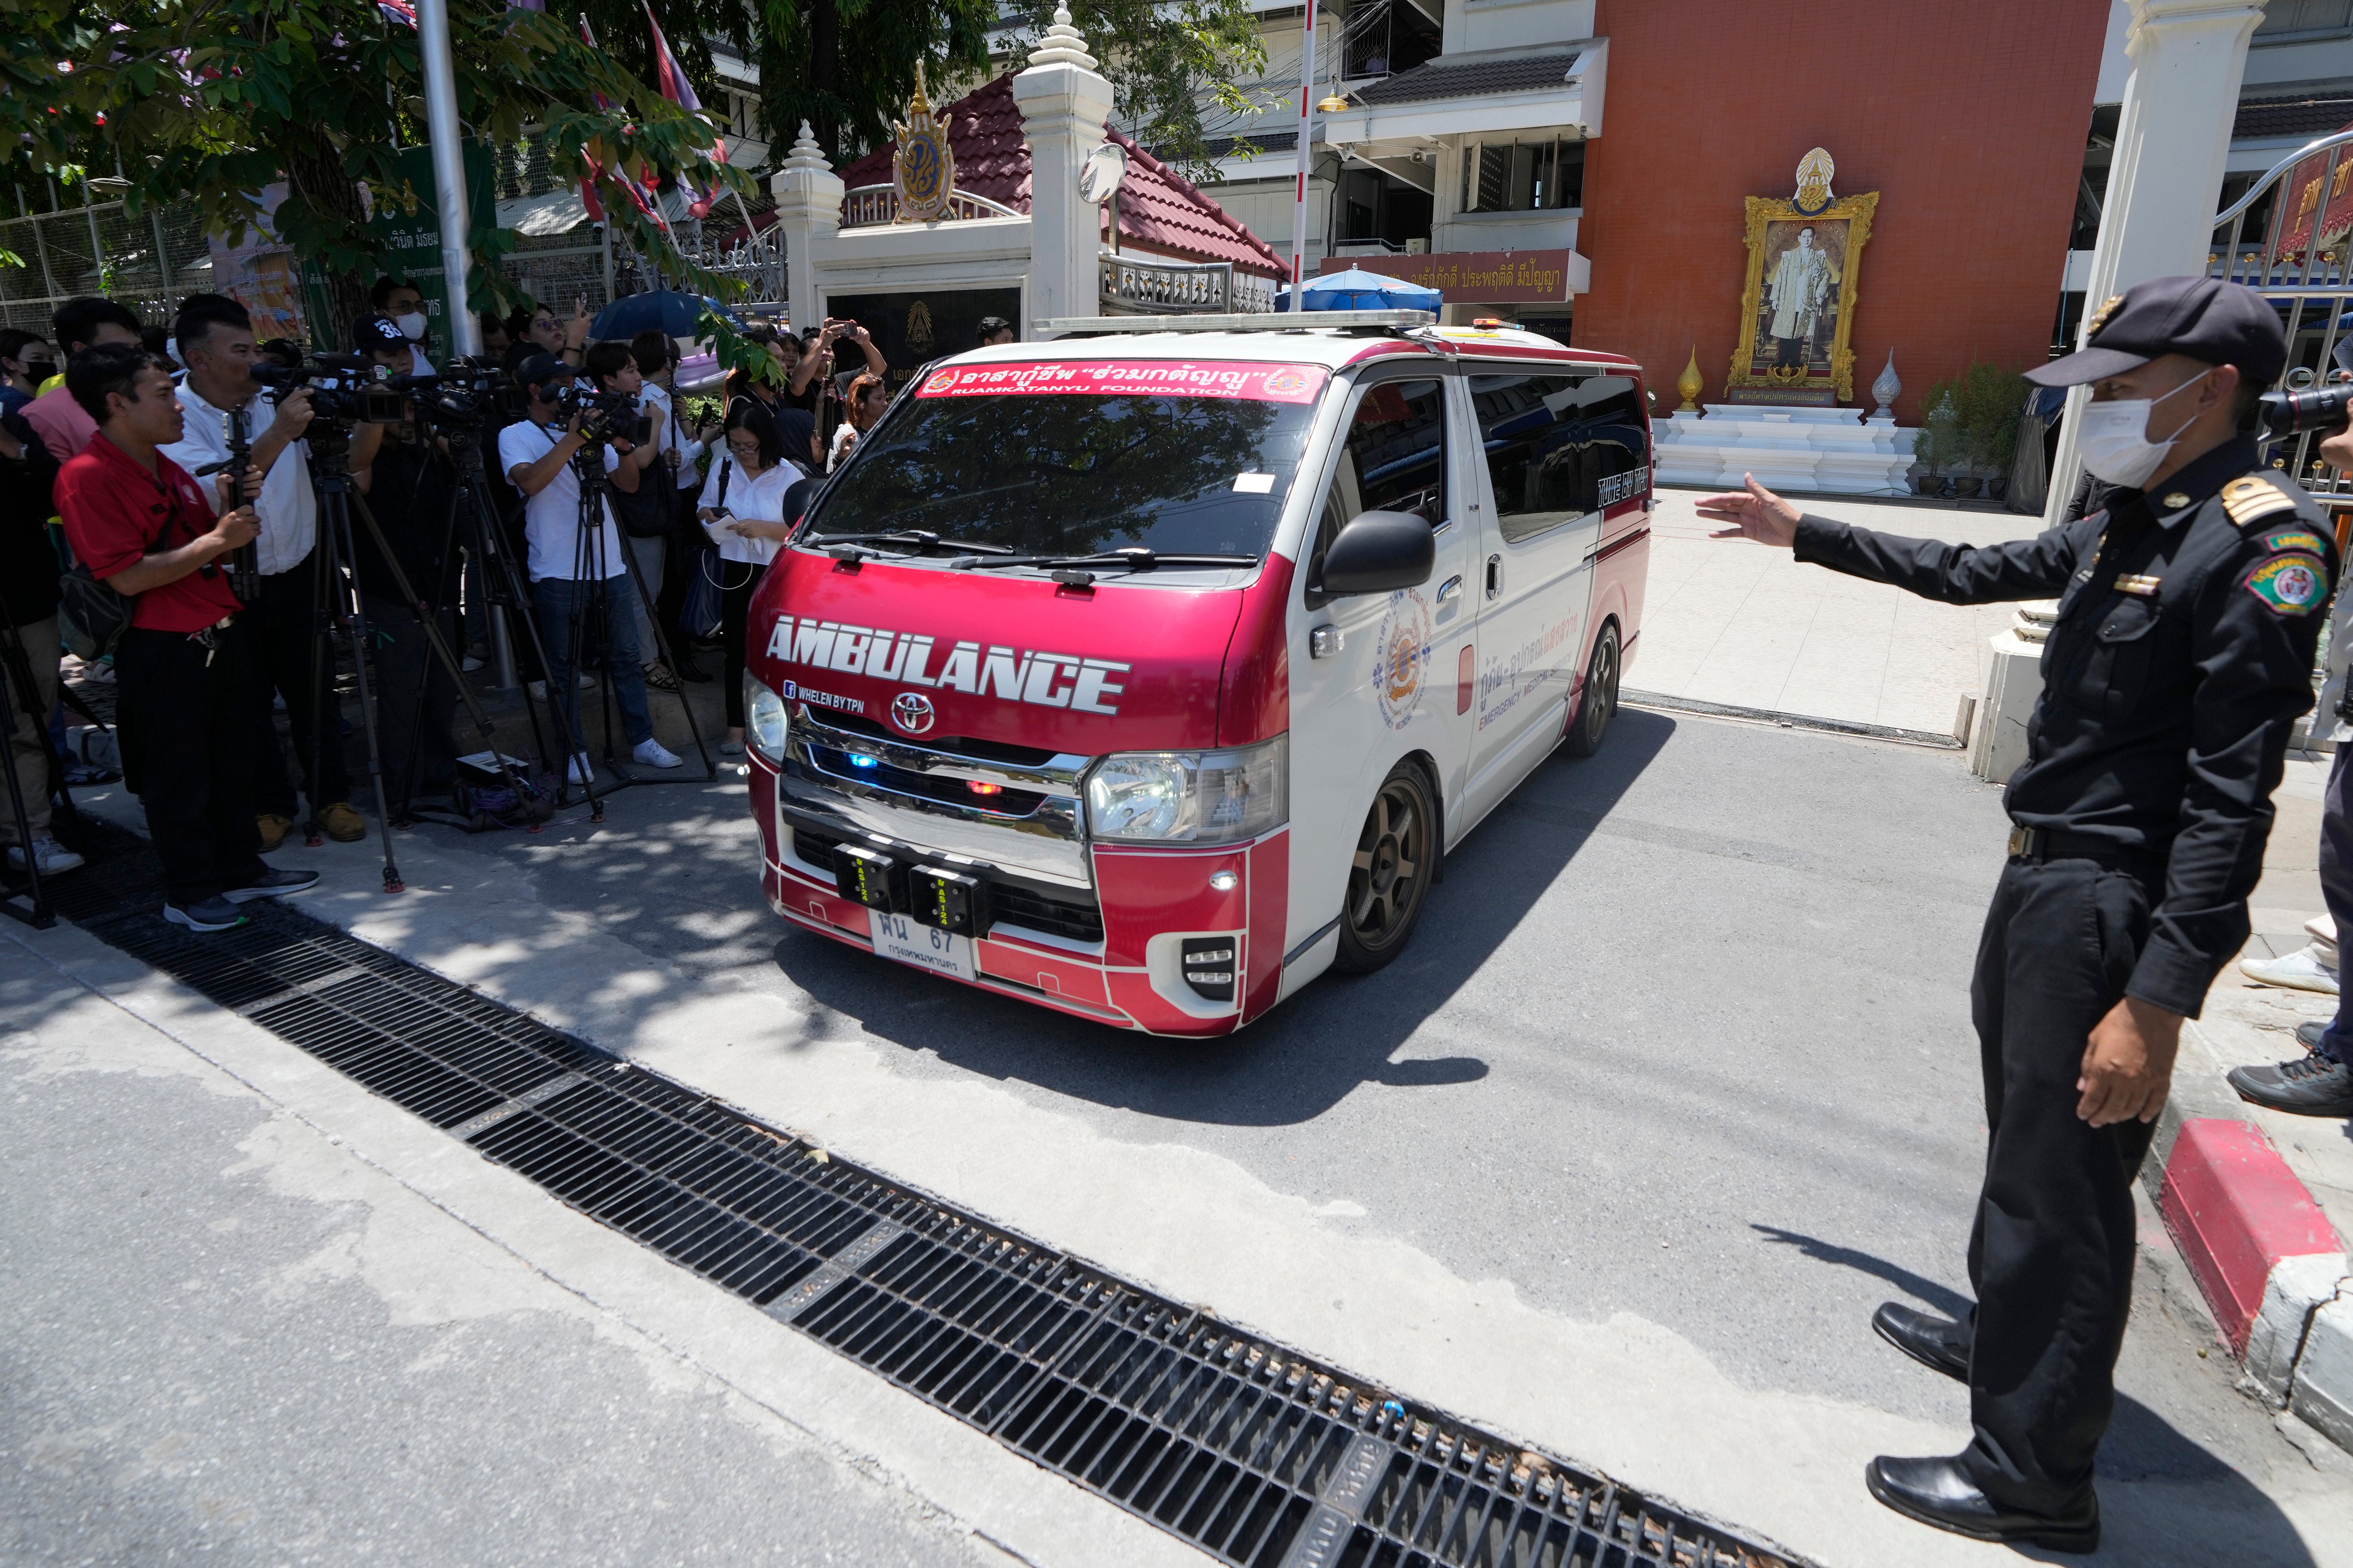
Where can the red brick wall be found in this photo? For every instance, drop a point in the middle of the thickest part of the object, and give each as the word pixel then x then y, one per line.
pixel 1968 116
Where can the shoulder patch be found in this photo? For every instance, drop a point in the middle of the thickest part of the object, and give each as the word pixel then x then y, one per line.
pixel 2310 544
pixel 2288 584
pixel 2252 498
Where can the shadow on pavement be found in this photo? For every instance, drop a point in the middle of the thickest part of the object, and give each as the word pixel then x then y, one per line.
pixel 1950 1303
pixel 1301 1060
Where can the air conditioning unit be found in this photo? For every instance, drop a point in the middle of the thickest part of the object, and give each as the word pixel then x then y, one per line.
pixel 1417 248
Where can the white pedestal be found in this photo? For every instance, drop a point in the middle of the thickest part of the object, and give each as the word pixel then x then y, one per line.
pixel 1787 448
pixel 2012 685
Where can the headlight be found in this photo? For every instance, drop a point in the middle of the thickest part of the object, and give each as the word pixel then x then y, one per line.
pixel 1191 797
pixel 764 718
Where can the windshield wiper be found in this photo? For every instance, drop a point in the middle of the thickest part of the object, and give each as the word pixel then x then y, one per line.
pixel 918 538
pixel 1078 571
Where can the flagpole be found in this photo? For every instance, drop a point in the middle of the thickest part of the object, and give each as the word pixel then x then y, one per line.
pixel 1306 156
pixel 448 173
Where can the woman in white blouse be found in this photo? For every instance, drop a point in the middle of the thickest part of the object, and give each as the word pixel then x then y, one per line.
pixel 743 511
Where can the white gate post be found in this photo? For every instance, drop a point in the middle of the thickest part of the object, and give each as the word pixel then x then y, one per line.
pixel 2164 182
pixel 808 205
pixel 1063 102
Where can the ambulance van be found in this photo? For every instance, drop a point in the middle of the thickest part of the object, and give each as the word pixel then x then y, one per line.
pixel 1147 674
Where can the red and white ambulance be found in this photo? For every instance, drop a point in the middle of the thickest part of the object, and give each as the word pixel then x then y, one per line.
pixel 1146 675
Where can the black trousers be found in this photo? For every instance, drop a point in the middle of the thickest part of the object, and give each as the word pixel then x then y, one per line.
pixel 188 754
pixel 416 701
pixel 2337 889
pixel 2051 1253
pixel 737 581
pixel 279 623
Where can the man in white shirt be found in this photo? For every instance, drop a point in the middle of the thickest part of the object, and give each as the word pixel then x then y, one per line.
pixel 572 565
pixel 215 339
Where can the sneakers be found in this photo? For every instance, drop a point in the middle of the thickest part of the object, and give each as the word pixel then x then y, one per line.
pixel 582 771
pixel 204 914
pixel 274 829
pixel 661 680
pixel 654 754
pixel 2309 1033
pixel 343 825
pixel 49 857
pixel 2312 1086
pixel 730 748
pixel 2299 970
pixel 272 884
pixel 471 663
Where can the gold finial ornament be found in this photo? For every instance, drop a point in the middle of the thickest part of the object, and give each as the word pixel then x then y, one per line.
pixel 923 168
pixel 1691 383
pixel 1814 173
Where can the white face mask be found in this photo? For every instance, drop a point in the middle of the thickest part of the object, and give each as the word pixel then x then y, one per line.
pixel 412 326
pixel 2113 439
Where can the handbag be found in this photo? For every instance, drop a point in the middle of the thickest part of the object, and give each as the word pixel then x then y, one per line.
pixel 91 617
pixel 698 615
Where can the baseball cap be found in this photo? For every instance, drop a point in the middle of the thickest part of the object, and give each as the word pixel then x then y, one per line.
pixel 2204 318
pixel 540 369
pixel 373 332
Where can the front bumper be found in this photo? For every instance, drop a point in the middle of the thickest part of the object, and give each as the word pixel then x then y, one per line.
pixel 1105 944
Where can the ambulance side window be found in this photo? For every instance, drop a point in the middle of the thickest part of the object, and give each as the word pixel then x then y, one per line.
pixel 1554 444
pixel 1393 459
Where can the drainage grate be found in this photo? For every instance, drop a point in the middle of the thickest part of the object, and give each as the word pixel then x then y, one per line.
pixel 1255 1456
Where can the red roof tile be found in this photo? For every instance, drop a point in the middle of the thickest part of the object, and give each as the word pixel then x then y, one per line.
pixel 1159 210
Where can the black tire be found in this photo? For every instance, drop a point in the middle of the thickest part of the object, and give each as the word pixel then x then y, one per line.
pixel 1601 703
pixel 1396 855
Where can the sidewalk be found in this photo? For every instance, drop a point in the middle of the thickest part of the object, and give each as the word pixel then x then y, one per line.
pixel 1731 622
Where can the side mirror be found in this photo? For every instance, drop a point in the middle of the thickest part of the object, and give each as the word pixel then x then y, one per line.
pixel 1376 553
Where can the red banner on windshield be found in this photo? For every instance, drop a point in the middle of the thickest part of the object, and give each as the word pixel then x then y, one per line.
pixel 1132 378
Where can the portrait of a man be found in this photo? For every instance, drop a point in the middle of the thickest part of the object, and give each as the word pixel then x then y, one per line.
pixel 1799 307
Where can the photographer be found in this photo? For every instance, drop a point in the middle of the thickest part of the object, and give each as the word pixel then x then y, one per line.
pixel 406 478
pixel 644 512
pixel 402 303
pixel 138 521
pixel 216 338
pixel 568 563
pixel 681 451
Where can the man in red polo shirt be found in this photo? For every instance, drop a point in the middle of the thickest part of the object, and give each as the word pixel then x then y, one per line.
pixel 143 527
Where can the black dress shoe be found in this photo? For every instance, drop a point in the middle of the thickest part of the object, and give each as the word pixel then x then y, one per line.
pixel 1936 1492
pixel 1937 1344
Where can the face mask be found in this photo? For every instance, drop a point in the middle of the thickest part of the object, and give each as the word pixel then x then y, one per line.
pixel 412 326
pixel 2113 439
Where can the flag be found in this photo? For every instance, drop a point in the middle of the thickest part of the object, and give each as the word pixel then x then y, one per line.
pixel 588 185
pixel 678 90
pixel 398 11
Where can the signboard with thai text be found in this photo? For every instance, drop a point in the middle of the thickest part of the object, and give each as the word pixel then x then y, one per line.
pixel 1473 276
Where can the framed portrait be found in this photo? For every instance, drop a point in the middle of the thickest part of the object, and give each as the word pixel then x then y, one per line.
pixel 1798 311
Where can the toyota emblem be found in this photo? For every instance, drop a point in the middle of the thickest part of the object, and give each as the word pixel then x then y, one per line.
pixel 911 712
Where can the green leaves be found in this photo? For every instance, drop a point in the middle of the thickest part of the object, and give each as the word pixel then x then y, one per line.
pixel 1162 56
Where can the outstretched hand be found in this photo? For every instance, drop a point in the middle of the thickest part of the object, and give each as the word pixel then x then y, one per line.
pixel 1754 513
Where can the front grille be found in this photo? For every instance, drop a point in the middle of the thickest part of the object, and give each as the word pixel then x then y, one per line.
pixel 1074 914
pixel 1006 802
pixel 1255 1455
pixel 968 746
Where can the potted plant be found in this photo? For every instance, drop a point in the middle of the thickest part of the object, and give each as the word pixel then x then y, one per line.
pixel 1937 447
pixel 1973 427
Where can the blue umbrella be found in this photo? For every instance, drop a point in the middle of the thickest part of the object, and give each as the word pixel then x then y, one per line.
pixel 663 311
pixel 1358 289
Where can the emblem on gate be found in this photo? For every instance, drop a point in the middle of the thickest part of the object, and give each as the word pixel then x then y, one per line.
pixel 911 712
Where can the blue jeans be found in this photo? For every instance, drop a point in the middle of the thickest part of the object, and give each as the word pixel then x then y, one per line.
pixel 556 598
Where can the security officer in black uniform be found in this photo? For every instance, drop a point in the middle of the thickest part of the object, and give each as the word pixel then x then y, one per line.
pixel 2188 612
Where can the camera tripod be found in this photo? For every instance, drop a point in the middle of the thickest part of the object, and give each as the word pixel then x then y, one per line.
pixel 592 610
pixel 335 602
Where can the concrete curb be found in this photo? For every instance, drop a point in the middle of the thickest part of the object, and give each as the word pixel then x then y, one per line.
pixel 2272 1269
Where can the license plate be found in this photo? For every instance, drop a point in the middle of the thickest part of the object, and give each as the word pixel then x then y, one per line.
pixel 926 947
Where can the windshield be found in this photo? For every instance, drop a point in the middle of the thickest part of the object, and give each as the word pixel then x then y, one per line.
pixel 1078 457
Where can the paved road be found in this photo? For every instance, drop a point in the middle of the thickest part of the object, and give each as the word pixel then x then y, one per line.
pixel 1673 1086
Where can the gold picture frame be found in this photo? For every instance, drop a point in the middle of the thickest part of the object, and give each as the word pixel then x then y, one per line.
pixel 1814 364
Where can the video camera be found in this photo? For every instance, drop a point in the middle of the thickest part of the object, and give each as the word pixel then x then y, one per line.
pixel 344 388
pixel 467 392
pixel 609 415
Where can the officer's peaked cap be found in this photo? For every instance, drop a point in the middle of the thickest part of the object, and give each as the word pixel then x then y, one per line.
pixel 2203 318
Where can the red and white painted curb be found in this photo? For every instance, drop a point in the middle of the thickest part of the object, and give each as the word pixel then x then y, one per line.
pixel 2272 1270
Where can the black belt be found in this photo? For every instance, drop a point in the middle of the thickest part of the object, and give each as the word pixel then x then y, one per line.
pixel 2037 845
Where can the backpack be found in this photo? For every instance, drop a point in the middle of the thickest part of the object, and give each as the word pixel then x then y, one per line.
pixel 91 617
